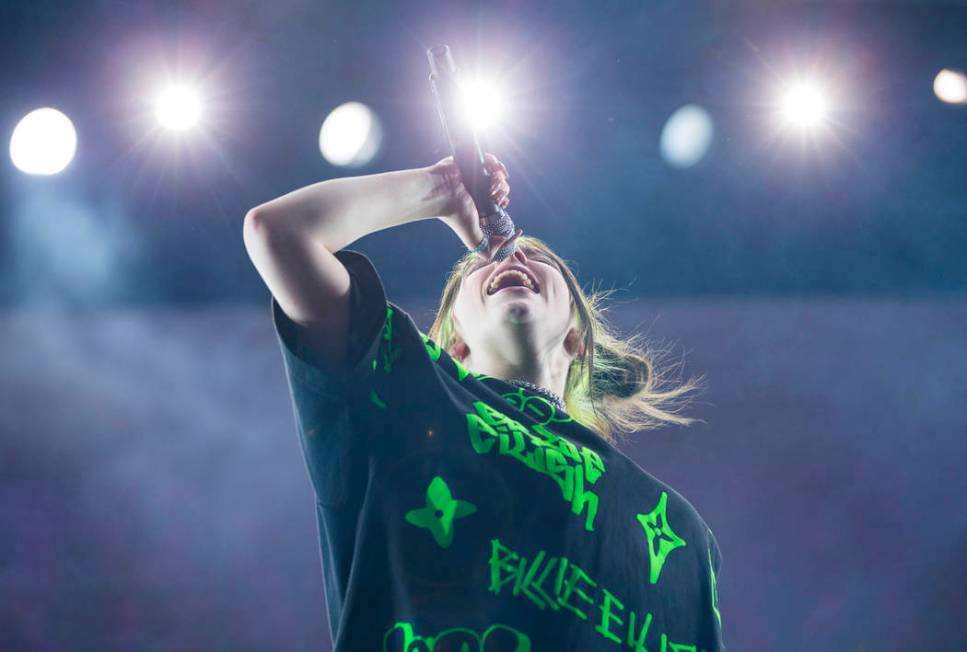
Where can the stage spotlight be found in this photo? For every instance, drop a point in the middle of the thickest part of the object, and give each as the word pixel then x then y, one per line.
pixel 686 136
pixel 350 135
pixel 483 103
pixel 178 107
pixel 43 142
pixel 950 86
pixel 804 105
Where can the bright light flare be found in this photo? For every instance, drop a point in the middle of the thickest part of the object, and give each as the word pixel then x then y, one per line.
pixel 350 135
pixel 686 136
pixel 950 86
pixel 178 107
pixel 804 104
pixel 43 142
pixel 483 103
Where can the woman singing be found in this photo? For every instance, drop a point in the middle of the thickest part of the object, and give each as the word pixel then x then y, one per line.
pixel 470 494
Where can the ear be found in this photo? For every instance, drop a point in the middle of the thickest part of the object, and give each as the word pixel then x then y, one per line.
pixel 459 349
pixel 573 344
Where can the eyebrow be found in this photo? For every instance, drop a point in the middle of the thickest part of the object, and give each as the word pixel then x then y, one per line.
pixel 530 251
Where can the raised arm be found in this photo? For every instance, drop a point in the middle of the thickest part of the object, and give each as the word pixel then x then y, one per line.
pixel 291 240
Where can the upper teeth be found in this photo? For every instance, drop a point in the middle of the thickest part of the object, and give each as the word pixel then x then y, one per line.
pixel 496 281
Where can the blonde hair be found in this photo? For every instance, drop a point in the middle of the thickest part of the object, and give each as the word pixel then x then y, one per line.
pixel 614 386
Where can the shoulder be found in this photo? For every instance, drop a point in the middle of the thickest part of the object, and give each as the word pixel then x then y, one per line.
pixel 665 506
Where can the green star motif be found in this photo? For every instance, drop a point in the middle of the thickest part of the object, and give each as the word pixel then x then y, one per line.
pixel 661 538
pixel 440 512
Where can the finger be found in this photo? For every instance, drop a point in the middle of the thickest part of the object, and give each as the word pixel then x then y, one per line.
pixel 502 188
pixel 497 176
pixel 498 164
pixel 500 193
pixel 495 164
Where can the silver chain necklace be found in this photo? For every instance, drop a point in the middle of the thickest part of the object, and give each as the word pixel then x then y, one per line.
pixel 546 393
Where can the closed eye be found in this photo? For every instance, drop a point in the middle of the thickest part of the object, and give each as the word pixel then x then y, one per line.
pixel 533 255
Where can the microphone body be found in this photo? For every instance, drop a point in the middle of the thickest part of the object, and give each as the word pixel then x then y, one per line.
pixel 469 158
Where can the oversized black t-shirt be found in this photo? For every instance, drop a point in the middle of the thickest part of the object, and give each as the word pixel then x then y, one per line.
pixel 459 512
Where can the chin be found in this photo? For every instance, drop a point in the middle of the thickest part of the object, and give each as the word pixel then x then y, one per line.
pixel 518 311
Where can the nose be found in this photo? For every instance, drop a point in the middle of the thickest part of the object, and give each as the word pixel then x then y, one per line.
pixel 519 254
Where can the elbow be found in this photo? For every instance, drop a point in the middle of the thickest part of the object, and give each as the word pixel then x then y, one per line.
pixel 256 223
pixel 254 219
pixel 255 230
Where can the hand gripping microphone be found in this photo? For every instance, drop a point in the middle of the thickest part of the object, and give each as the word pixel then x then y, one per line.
pixel 494 220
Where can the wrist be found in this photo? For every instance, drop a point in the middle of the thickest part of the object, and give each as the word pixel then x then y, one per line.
pixel 445 184
pixel 448 195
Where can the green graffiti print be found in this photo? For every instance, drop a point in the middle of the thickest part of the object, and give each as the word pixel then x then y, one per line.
pixel 507 566
pixel 433 350
pixel 662 540
pixel 561 585
pixel 389 350
pixel 668 646
pixel 543 411
pixel 715 595
pixel 538 407
pixel 376 400
pixel 496 638
pixel 572 468
pixel 440 512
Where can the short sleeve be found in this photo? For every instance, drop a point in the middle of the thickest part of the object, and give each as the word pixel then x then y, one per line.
pixel 320 393
pixel 367 314
pixel 714 570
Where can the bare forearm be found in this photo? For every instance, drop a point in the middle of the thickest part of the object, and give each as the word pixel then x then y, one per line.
pixel 337 212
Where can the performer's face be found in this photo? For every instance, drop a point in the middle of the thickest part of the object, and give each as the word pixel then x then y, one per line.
pixel 495 321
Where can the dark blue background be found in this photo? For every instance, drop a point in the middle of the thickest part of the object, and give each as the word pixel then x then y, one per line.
pixel 152 494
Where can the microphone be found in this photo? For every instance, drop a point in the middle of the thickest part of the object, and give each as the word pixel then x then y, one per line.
pixel 494 220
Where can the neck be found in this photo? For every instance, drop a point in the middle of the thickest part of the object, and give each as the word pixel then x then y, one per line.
pixel 549 372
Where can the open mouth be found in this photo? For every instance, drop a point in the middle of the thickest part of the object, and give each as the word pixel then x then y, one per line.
pixel 512 279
